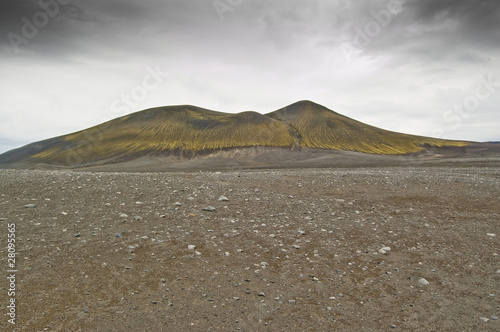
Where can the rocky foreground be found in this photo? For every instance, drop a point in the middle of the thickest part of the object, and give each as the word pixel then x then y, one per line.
pixel 367 249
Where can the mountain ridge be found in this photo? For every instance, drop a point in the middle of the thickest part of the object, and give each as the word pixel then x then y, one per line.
pixel 186 130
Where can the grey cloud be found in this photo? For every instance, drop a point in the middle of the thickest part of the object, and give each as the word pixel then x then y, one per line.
pixel 43 28
pixel 475 21
pixel 474 13
pixel 263 55
pixel 11 11
pixel 76 13
pixel 443 28
pixel 81 25
pixel 423 30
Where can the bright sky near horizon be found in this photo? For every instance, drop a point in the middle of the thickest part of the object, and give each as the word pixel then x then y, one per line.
pixel 425 67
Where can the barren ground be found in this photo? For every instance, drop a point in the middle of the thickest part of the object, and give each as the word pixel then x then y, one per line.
pixel 290 250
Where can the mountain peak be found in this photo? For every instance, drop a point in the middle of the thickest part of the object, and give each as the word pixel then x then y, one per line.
pixel 300 109
pixel 305 103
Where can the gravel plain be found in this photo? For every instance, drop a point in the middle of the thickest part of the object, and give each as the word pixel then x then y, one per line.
pixel 364 249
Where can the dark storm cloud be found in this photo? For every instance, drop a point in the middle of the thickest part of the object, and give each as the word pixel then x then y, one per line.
pixel 119 24
pixel 473 21
pixel 47 26
pixel 12 10
pixel 475 14
pixel 44 27
pixel 428 30
pixel 419 22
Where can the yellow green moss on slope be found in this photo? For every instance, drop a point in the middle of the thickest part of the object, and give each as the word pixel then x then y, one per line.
pixel 322 128
pixel 171 128
pixel 192 129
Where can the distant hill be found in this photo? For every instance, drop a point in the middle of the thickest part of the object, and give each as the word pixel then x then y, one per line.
pixel 189 131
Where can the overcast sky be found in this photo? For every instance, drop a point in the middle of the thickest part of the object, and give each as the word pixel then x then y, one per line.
pixel 426 67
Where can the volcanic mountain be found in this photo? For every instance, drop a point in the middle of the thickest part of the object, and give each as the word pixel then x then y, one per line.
pixel 188 132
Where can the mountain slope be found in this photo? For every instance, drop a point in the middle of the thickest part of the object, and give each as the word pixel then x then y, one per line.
pixel 172 129
pixel 321 128
pixel 188 130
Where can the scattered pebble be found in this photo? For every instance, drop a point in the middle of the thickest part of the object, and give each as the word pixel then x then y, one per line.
pixel 423 281
pixel 336 246
pixel 384 250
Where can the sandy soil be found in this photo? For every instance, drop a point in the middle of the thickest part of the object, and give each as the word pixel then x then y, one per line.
pixel 289 250
pixel 474 154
